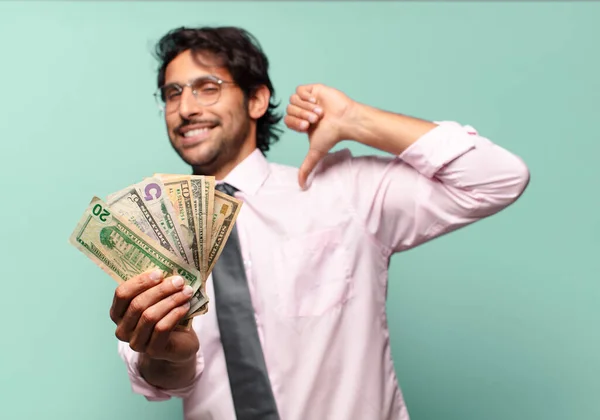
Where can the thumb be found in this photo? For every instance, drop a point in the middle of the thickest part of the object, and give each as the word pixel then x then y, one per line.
pixel 310 162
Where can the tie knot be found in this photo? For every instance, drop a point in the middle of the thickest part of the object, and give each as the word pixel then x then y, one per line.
pixel 226 188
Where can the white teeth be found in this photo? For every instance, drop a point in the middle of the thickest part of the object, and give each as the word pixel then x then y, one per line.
pixel 195 132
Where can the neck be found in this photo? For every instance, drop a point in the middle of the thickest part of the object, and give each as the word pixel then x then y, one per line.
pixel 221 170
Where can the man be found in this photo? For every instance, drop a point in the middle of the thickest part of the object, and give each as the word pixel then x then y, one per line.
pixel 315 242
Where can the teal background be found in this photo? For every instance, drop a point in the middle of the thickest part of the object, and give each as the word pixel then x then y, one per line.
pixel 497 321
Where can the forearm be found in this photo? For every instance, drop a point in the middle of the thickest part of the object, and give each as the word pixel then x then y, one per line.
pixel 390 132
pixel 167 375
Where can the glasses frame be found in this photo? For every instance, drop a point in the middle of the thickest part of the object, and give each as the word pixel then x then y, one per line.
pixel 212 78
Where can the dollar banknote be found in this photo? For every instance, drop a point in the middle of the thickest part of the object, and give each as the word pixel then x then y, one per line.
pixel 179 223
pixel 196 184
pixel 150 204
pixel 203 187
pixel 179 191
pixel 147 205
pixel 226 210
pixel 123 251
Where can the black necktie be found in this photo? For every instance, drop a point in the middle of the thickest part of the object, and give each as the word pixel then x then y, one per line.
pixel 250 387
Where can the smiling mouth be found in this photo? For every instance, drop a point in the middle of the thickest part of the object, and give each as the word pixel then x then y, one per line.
pixel 197 135
pixel 196 132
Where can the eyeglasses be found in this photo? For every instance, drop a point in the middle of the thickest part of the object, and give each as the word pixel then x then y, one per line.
pixel 206 90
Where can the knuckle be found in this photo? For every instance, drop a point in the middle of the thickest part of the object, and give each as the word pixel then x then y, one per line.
pixel 175 299
pixel 162 327
pixel 121 293
pixel 115 319
pixel 137 278
pixel 134 345
pixel 112 315
pixel 120 334
pixel 149 316
pixel 136 306
pixel 143 280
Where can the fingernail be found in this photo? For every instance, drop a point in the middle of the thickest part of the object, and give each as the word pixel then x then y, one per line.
pixel 177 281
pixel 318 110
pixel 156 275
pixel 313 100
pixel 188 291
pixel 312 118
pixel 303 125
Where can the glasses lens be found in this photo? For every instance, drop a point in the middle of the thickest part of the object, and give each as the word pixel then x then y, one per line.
pixel 207 90
pixel 168 96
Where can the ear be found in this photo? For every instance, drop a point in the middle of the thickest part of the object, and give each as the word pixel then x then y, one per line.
pixel 259 102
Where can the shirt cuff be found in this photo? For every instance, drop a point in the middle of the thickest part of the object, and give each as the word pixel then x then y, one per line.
pixel 439 146
pixel 140 386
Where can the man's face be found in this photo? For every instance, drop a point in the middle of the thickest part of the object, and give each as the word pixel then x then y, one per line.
pixel 207 137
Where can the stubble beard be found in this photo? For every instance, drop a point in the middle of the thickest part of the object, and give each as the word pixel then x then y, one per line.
pixel 219 152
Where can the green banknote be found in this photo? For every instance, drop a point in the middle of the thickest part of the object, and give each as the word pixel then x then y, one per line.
pixel 226 210
pixel 123 251
pixel 148 207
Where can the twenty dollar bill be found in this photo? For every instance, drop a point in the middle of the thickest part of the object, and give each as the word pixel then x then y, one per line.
pixel 123 251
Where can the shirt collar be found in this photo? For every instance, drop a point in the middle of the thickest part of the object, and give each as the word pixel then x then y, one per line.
pixel 250 174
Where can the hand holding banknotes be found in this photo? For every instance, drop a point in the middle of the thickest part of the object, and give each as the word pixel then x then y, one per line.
pixel 146 310
pixel 177 224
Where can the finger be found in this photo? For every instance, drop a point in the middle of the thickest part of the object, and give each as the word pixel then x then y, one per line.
pixel 306 93
pixel 311 107
pixel 146 299
pixel 162 330
pixel 154 314
pixel 295 111
pixel 296 123
pixel 299 112
pixel 310 162
pixel 128 290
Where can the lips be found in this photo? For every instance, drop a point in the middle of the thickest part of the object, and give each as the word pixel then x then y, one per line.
pixel 195 134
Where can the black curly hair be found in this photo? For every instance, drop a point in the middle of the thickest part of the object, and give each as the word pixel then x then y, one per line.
pixel 240 53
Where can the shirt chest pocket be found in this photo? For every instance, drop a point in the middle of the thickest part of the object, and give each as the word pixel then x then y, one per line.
pixel 313 273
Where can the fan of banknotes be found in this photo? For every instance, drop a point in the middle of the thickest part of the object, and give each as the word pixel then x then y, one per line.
pixel 177 223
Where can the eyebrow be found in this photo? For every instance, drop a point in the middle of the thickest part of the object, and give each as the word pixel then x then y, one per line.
pixel 206 76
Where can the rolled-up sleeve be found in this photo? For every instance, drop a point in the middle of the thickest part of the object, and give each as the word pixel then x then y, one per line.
pixel 140 386
pixel 448 178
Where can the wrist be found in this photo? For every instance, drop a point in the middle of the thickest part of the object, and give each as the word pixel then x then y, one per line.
pixel 358 122
pixel 167 374
pixel 145 359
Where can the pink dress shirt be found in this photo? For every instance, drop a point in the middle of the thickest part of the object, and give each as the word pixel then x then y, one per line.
pixel 317 267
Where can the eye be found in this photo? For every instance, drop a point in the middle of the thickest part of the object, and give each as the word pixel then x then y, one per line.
pixel 206 87
pixel 209 89
pixel 170 92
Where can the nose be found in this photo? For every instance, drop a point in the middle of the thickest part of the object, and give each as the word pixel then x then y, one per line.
pixel 189 106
